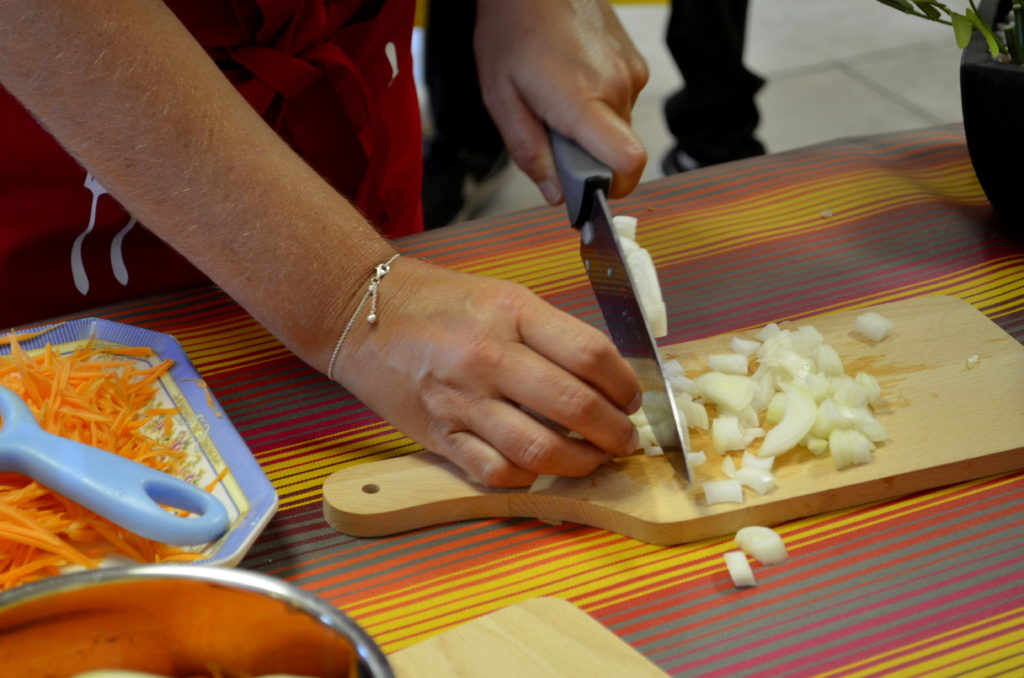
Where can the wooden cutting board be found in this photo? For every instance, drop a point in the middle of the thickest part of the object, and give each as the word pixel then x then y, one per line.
pixel 537 638
pixel 948 423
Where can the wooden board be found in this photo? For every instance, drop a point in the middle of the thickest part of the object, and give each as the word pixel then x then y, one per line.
pixel 947 422
pixel 536 638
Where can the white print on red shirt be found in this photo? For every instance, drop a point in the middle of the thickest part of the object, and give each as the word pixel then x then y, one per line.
pixel 116 256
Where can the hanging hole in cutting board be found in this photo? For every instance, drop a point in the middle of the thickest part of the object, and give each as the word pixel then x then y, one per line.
pixel 371 488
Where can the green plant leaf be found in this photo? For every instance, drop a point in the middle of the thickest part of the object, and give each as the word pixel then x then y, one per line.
pixel 995 48
pixel 929 9
pixel 902 5
pixel 962 29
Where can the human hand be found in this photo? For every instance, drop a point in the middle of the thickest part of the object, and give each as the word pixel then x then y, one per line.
pixel 454 358
pixel 564 64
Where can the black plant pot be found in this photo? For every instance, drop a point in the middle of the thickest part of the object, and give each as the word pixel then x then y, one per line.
pixel 992 95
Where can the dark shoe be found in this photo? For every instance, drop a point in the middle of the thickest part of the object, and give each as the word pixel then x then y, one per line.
pixel 678 160
pixel 457 183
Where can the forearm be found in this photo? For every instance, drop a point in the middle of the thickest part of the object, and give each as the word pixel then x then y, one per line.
pixel 127 90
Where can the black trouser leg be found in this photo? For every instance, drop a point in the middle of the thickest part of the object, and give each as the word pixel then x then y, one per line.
pixel 714 116
pixel 456 104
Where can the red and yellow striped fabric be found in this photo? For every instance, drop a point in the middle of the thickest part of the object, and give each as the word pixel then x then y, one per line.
pixel 926 585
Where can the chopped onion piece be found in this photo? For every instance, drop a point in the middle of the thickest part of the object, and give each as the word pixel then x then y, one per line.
pixel 829 362
pixel 758 480
pixel 817 446
pixel 728 467
pixel 797 419
pixel 729 363
pixel 732 392
pixel 695 459
pixel 828 418
pixel 767 331
pixel 751 460
pixel 682 384
pixel 751 434
pixel 695 414
pixel 776 407
pixel 653 451
pixel 740 572
pixel 762 543
pixel 872 429
pixel 648 290
pixel 625 226
pixel 971 361
pixel 726 434
pixel 720 491
pixel 628 247
pixel 849 447
pixel 674 368
pixel 871 385
pixel 806 340
pixel 873 326
pixel 747 347
pixel 764 392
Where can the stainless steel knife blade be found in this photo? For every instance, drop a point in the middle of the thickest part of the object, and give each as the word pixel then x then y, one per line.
pixel 585 183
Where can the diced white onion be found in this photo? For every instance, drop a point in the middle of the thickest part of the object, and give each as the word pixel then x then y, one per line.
pixel 683 385
pixel 722 491
pixel 762 543
pixel 758 480
pixel 849 447
pixel 625 226
pixel 743 346
pixel 729 363
pixel 817 446
pixel 751 460
pixel 648 290
pixel 797 419
pixel 726 434
pixel 653 451
pixel 696 415
pixel 728 466
pixel 829 362
pixel 732 392
pixel 971 361
pixel 873 326
pixel 871 385
pixel 695 459
pixel 740 572
pixel 674 368
pixel 767 331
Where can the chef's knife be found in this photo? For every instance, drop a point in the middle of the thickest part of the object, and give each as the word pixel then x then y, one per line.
pixel 585 183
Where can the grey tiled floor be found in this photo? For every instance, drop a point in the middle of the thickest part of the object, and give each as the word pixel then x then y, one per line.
pixel 834 68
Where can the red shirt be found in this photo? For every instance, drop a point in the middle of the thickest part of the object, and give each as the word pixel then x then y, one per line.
pixel 333 77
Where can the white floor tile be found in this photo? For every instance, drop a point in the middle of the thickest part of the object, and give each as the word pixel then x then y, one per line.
pixel 925 76
pixel 825 104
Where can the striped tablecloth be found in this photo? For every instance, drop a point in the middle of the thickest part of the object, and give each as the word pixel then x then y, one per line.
pixel 931 584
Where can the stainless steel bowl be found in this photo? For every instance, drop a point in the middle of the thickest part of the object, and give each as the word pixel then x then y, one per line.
pixel 179 620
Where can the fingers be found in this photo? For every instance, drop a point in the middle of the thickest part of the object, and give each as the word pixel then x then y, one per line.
pixel 508 448
pixel 526 139
pixel 583 351
pixel 568 65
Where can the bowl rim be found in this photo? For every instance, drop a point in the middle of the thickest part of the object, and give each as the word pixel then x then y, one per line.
pixel 372 662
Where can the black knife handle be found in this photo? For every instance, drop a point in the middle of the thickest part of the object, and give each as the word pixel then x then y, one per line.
pixel 581 174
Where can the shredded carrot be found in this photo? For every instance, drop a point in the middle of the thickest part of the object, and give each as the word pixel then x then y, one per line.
pixel 95 396
pixel 25 336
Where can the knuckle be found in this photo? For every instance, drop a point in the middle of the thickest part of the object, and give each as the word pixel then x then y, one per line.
pixel 537 453
pixel 496 474
pixel 578 403
pixel 592 352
